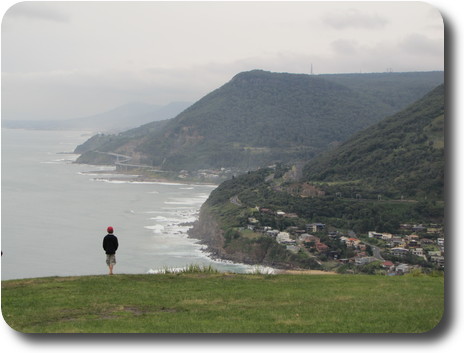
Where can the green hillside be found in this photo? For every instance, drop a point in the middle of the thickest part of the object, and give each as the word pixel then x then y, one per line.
pixel 387 175
pixel 259 118
pixel 400 156
pixel 224 303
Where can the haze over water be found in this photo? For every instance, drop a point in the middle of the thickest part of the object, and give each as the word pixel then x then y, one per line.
pixel 55 213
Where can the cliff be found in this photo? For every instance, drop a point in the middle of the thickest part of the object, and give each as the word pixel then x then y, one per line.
pixel 207 230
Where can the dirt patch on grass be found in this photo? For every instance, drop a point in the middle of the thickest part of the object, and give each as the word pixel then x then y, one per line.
pixel 306 272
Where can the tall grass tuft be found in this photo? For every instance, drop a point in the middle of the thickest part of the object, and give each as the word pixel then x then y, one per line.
pixel 192 268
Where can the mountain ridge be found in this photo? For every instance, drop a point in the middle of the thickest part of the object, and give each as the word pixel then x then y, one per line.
pixel 260 118
pixel 121 118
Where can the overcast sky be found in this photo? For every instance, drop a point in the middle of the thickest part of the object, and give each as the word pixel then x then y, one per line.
pixel 62 60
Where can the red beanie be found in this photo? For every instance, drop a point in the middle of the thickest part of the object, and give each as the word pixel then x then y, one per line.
pixel 109 229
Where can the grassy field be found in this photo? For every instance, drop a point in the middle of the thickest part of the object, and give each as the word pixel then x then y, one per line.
pixel 224 303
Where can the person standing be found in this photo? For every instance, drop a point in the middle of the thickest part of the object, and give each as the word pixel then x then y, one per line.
pixel 110 245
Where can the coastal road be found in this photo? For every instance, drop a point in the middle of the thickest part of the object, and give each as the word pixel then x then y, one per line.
pixel 376 252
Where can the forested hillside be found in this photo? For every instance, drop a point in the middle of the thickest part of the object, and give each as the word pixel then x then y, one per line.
pixel 386 176
pixel 259 118
pixel 400 156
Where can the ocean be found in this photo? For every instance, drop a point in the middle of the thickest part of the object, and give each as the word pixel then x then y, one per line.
pixel 54 214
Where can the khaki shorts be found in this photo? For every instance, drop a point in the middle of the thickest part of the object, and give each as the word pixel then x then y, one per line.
pixel 110 259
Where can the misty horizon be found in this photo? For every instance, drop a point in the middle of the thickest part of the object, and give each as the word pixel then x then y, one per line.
pixel 65 60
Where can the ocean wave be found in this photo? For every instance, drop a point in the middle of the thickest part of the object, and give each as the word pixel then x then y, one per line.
pixel 197 200
pixel 157 228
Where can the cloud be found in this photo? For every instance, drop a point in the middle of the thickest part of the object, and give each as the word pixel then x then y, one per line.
pixel 345 46
pixel 353 18
pixel 419 44
pixel 37 11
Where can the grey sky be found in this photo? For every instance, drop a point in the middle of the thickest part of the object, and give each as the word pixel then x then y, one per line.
pixel 72 59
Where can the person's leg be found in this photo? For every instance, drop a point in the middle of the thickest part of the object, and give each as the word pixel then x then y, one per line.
pixel 112 262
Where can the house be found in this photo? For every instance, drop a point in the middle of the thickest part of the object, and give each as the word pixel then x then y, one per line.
pixel 434 253
pixel 383 236
pixel 373 234
pixel 441 241
pixel 364 260
pixel 439 260
pixel 315 227
pixel 418 228
pixel 272 232
pixel 426 241
pixel 434 229
pixel 396 242
pixel 284 238
pixel 399 251
pixel 266 210
pixel 309 238
pixel 252 220
pixel 321 247
pixel 402 269
pixel 417 251
pixel 293 248
pixel 353 242
pixel 388 265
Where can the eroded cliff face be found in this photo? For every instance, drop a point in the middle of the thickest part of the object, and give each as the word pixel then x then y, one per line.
pixel 207 230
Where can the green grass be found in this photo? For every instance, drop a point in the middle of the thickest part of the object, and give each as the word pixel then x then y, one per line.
pixel 204 301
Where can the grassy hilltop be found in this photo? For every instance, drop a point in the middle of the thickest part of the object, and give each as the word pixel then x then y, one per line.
pixel 209 302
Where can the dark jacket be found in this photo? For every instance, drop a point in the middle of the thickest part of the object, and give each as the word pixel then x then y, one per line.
pixel 110 244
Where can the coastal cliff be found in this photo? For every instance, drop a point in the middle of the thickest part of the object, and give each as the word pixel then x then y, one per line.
pixel 207 230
